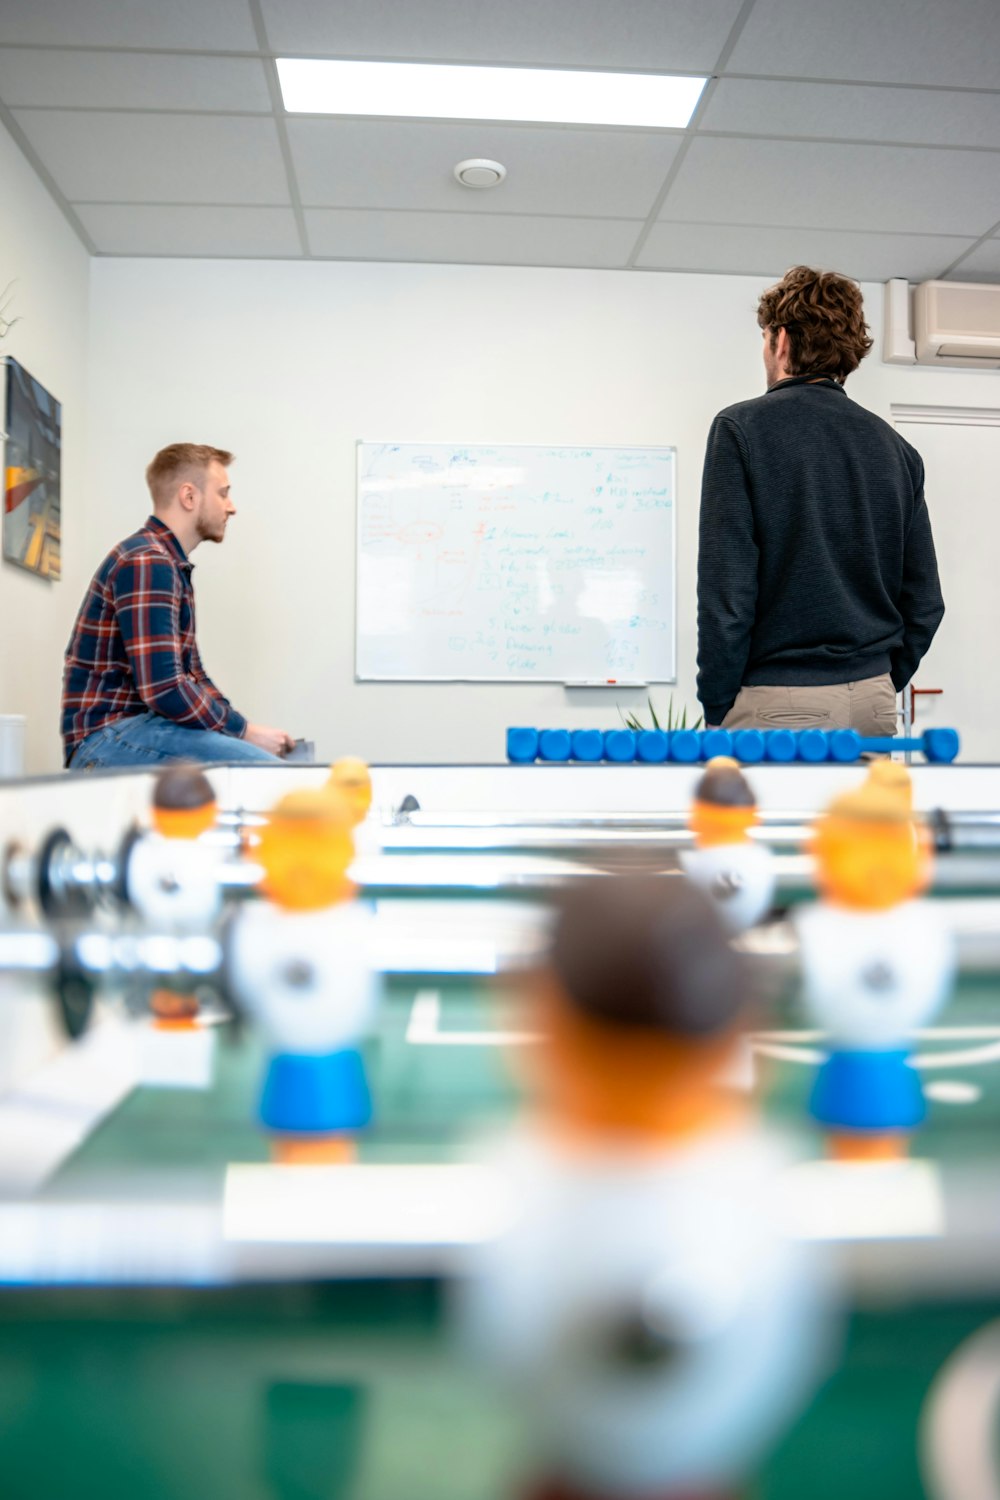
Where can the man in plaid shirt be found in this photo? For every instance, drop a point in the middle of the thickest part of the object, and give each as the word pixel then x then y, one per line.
pixel 134 689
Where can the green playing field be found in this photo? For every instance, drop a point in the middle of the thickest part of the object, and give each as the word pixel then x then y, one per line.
pixel 443 1063
pixel 352 1390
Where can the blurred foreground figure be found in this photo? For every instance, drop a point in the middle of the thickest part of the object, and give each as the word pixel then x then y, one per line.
pixel 658 1329
pixel 876 965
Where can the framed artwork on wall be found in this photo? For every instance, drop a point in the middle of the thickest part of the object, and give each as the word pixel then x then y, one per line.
pixel 32 507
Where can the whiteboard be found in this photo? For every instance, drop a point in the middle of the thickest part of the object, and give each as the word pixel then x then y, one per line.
pixel 515 563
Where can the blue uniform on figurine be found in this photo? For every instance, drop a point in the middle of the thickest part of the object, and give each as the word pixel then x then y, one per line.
pixel 302 967
pixel 877 965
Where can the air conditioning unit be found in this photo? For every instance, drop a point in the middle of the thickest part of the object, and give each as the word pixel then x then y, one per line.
pixel 957 323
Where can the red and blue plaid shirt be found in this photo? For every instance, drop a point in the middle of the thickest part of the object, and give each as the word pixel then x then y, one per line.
pixel 133 648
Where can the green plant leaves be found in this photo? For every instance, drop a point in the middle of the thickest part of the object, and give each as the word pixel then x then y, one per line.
pixel 676 718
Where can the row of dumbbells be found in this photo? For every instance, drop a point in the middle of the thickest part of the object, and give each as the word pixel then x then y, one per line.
pixel 526 745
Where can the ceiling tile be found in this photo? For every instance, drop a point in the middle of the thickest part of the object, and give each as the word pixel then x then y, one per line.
pixel 938 117
pixel 221 26
pixel 685 35
pixel 158 158
pixel 982 265
pixel 145 229
pixel 908 189
pixel 769 252
pixel 131 80
pixel 470 238
pixel 950 42
pixel 401 164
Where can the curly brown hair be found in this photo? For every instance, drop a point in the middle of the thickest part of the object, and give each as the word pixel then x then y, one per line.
pixel 824 316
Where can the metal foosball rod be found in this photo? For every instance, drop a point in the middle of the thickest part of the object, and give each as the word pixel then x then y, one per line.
pixel 62 881
pixel 77 962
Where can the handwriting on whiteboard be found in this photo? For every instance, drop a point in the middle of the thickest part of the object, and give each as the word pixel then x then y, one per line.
pixel 498 562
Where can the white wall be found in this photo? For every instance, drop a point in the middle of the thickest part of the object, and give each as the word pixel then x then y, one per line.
pixel 50 268
pixel 290 364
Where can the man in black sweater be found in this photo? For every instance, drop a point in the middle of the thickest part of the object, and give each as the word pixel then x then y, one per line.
pixel 818 588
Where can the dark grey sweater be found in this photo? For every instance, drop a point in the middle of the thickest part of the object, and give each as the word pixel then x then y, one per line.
pixel 816 562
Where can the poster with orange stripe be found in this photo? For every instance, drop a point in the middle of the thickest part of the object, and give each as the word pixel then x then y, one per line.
pixel 32 505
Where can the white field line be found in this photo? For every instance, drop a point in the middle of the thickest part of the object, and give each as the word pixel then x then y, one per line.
pixel 958 1422
pixel 424 1030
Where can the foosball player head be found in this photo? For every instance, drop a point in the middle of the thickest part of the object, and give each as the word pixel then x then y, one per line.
pixel 893 778
pixel 642 1006
pixel 724 808
pixel 306 849
pixel 352 778
pixel 870 852
pixel 184 803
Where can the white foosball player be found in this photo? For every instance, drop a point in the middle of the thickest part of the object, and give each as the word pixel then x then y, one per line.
pixel 301 966
pixel 877 965
pixel 172 881
pixel 730 867
pixel 351 778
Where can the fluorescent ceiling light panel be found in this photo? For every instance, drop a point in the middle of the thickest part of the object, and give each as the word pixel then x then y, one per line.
pixel 437 92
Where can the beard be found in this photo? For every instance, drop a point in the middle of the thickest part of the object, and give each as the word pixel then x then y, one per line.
pixel 209 531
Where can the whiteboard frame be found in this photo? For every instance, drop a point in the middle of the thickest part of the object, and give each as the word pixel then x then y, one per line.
pixel 508 678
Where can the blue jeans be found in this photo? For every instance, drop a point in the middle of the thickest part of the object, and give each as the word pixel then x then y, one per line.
pixel 152 740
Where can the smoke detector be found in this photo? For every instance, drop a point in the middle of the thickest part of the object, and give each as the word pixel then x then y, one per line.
pixel 478 172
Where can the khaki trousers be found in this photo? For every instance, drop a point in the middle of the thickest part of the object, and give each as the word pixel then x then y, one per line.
pixel 868 706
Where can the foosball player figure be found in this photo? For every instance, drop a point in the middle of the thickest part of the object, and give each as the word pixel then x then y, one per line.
pixel 877 965
pixel 352 779
pixel 301 967
pixel 172 875
pixel 657 1327
pixel 726 862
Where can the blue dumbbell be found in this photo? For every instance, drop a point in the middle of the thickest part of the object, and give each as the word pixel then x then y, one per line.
pixel 652 746
pixel 748 746
pixel 845 745
pixel 588 744
pixel 779 745
pixel 555 744
pixel 522 745
pixel 716 742
pixel 685 746
pixel 813 745
pixel 940 746
pixel 619 745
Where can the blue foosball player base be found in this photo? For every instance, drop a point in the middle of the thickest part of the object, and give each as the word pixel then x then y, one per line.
pixel 305 1094
pixel 879 1091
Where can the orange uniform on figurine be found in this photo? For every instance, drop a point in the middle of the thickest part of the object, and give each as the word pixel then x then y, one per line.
pixel 656 1325
pixel 301 966
pixel 877 964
